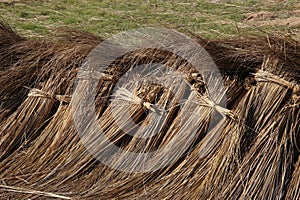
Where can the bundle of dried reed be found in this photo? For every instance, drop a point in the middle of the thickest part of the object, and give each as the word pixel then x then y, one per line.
pixel 251 151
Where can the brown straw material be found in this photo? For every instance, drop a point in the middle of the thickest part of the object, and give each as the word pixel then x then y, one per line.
pixel 247 150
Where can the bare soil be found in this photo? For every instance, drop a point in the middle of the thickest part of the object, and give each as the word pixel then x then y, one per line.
pixel 264 18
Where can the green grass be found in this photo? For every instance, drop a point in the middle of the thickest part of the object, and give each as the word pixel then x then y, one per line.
pixel 37 18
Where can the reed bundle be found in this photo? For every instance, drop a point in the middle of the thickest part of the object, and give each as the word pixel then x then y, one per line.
pixel 251 152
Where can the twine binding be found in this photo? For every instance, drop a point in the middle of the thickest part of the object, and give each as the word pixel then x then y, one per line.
pixel 34 92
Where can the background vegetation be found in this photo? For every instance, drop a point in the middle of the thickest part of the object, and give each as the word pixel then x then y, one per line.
pixel 36 18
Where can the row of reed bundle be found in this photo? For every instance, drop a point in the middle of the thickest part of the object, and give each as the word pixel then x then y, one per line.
pixel 251 152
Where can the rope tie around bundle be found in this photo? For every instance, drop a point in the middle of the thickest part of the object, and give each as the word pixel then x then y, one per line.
pixel 264 76
pixel 34 92
pixel 206 101
pixel 124 95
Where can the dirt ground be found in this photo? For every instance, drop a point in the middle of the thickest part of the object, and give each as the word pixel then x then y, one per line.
pixel 264 18
pixel 289 19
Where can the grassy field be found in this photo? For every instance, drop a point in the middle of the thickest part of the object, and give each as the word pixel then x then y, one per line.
pixel 36 18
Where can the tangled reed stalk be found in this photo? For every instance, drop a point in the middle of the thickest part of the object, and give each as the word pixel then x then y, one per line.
pixel 252 152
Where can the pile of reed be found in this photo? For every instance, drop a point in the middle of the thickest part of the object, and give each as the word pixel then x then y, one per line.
pixel 252 152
